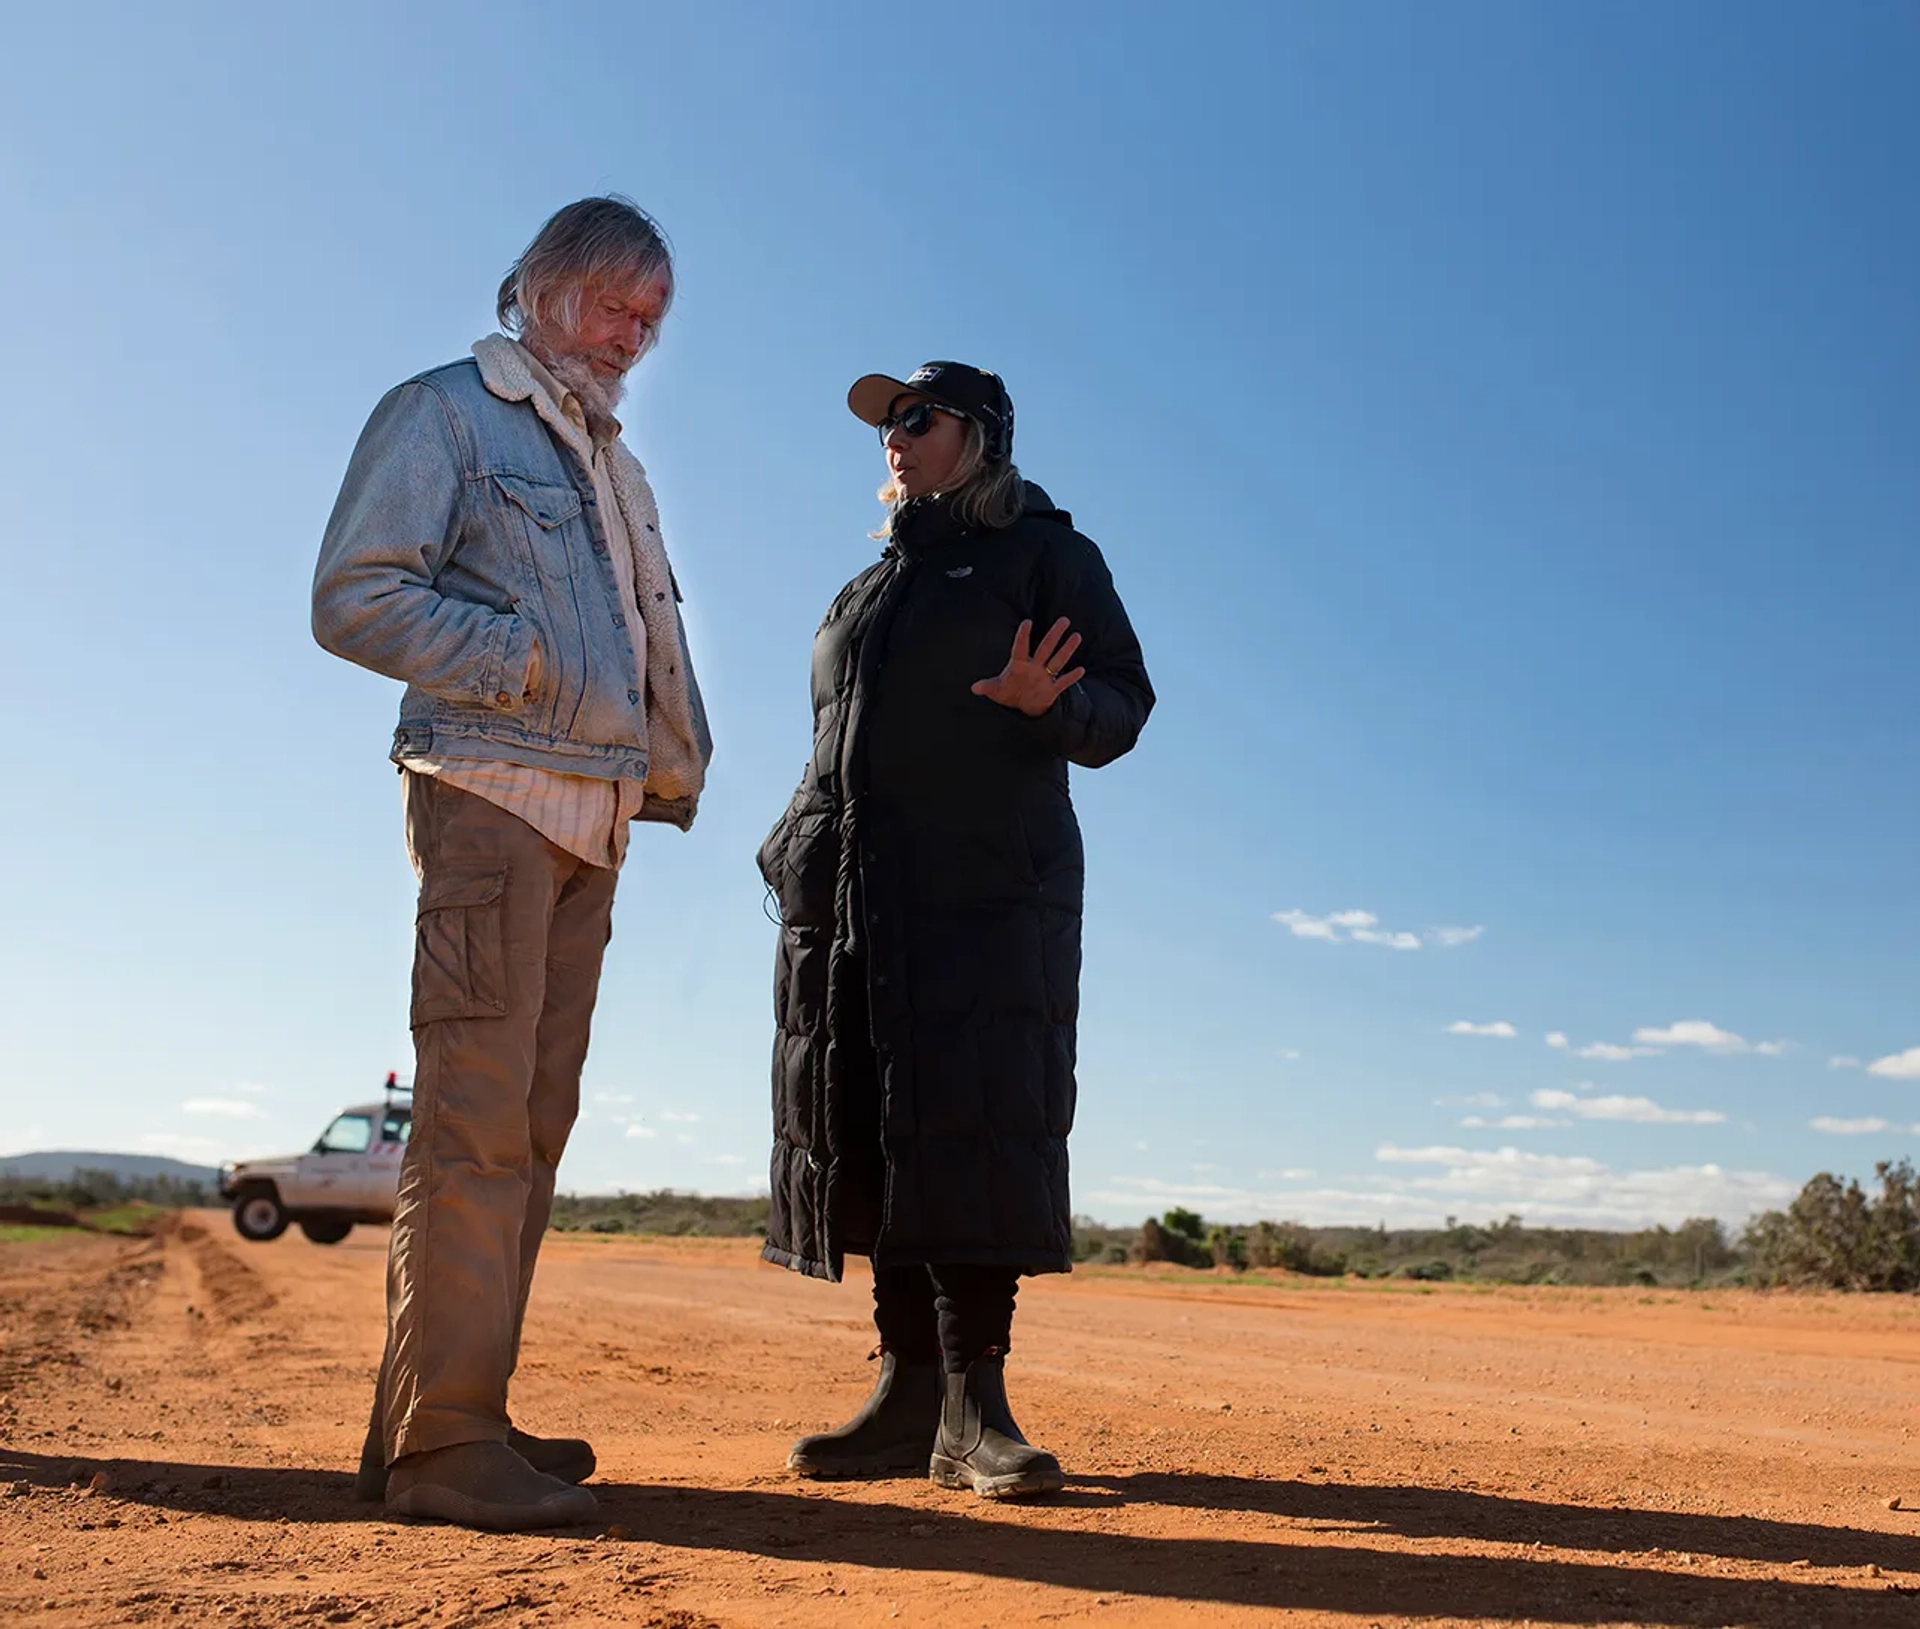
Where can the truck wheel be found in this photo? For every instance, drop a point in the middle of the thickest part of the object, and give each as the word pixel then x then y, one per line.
pixel 258 1214
pixel 326 1232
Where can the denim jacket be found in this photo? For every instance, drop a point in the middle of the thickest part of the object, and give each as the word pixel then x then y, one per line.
pixel 464 530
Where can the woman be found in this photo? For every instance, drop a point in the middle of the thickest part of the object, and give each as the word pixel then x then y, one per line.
pixel 929 877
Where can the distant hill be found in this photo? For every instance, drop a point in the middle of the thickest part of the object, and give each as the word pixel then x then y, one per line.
pixel 60 1164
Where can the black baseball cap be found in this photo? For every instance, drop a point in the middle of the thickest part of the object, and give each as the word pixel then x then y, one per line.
pixel 972 391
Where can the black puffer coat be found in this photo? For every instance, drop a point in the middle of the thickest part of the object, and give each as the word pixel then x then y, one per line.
pixel 929 876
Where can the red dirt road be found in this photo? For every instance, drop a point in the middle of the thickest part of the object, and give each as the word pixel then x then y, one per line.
pixel 1236 1453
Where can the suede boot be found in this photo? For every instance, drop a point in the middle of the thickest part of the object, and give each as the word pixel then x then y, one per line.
pixel 893 1431
pixel 980 1447
pixel 568 1458
pixel 485 1485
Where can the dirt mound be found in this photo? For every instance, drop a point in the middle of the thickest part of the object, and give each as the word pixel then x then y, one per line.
pixel 35 1216
pixel 234 1291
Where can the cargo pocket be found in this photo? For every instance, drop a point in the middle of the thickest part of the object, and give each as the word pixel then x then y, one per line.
pixel 459 954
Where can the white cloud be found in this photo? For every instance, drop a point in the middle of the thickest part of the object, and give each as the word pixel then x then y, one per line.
pixel 613 1097
pixel 1844 1060
pixel 1692 1032
pixel 1302 926
pixel 231 1108
pixel 1512 1122
pixel 682 1137
pixel 1382 936
pixel 1897 1065
pixel 1708 1037
pixel 1610 1052
pixel 1363 928
pixel 1641 1111
pixel 252 1088
pixel 1575 1189
pixel 641 1131
pixel 1499 1029
pixel 1851 1128
pixel 1290 1053
pixel 1292 1173
pixel 1473 1100
pixel 1547 1190
pixel 1557 1039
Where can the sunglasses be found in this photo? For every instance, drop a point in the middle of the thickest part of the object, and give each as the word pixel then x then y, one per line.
pixel 916 420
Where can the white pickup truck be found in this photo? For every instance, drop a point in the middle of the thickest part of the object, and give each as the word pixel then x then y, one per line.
pixel 350 1175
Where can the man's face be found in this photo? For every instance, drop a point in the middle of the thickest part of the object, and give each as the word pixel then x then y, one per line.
pixel 617 327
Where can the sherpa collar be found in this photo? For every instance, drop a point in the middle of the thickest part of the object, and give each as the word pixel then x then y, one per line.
pixel 515 374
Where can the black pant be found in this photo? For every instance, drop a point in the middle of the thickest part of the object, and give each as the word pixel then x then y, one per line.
pixel 956 1312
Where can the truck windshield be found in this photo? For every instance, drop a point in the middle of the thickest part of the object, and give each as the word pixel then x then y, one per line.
pixel 350 1134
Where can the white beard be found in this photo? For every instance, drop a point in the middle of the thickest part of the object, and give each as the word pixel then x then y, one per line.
pixel 597 393
pixel 572 366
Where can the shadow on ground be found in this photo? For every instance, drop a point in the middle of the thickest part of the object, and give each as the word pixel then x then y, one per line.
pixel 1289 1571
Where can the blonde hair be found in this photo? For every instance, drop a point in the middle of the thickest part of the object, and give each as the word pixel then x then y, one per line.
pixel 987 495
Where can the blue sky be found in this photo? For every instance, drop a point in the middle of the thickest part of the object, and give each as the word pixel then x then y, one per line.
pixel 1499 418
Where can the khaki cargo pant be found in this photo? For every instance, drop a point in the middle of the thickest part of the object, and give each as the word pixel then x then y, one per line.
pixel 507 959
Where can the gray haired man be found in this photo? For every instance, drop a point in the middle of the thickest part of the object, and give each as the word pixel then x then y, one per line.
pixel 497 548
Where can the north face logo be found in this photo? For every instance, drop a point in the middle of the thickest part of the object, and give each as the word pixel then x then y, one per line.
pixel 961 571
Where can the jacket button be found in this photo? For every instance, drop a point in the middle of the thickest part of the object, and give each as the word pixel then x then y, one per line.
pixel 504 699
pixel 633 695
pixel 599 548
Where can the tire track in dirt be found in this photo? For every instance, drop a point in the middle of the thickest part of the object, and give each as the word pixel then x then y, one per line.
pixel 47 1320
pixel 234 1291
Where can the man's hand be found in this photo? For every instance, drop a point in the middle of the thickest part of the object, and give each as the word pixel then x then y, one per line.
pixel 1032 681
pixel 536 671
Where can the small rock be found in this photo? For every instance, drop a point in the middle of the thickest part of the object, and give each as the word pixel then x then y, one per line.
pixel 40 1573
pixel 1873 1571
pixel 99 1482
pixel 217 1480
pixel 618 1533
pixel 1894 1502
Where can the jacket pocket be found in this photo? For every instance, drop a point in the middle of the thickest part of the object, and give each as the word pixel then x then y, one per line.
pixel 459 953
pixel 548 506
pixel 542 514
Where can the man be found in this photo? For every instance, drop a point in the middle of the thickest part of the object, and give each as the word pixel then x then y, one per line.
pixel 497 547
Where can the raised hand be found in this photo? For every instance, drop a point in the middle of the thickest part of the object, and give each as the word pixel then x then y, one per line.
pixel 1033 680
